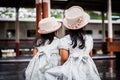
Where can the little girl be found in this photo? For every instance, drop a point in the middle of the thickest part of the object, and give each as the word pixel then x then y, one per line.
pixel 46 52
pixel 75 49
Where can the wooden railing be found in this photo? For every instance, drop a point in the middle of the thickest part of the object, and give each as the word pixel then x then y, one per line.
pixel 113 46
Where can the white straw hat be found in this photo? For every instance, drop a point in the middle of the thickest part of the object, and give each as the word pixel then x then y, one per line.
pixel 75 18
pixel 48 25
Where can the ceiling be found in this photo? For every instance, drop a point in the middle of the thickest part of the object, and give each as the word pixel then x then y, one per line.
pixel 97 5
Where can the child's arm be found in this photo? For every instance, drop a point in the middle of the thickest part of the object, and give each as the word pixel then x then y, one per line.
pixel 91 53
pixel 35 51
pixel 64 55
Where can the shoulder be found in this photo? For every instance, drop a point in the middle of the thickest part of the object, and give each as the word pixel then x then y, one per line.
pixel 88 43
pixel 88 37
pixel 64 42
pixel 56 40
pixel 88 40
pixel 67 37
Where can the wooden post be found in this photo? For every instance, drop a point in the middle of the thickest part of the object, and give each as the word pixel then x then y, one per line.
pixel 103 28
pixel 110 29
pixel 42 11
pixel 45 8
pixel 38 14
pixel 17 36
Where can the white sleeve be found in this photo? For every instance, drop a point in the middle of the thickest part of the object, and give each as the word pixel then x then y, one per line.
pixel 89 43
pixel 64 43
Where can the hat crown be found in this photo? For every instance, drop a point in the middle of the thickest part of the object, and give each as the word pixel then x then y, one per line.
pixel 74 12
pixel 75 18
pixel 48 25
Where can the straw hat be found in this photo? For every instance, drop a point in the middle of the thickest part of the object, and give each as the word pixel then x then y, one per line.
pixel 75 18
pixel 48 25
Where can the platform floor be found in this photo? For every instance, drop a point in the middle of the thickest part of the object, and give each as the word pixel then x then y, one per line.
pixel 14 70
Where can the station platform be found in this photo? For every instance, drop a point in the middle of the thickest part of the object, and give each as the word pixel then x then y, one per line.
pixel 13 68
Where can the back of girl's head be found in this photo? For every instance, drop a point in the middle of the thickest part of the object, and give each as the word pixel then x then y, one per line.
pixel 40 41
pixel 47 28
pixel 75 19
pixel 77 35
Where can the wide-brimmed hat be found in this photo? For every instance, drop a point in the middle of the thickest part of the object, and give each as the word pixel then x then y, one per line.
pixel 48 25
pixel 75 18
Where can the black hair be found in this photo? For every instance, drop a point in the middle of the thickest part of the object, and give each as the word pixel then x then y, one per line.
pixel 77 35
pixel 40 41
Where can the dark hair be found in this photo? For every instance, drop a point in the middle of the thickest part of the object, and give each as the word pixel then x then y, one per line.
pixel 77 35
pixel 40 41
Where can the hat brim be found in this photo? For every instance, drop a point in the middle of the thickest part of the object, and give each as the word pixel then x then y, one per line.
pixel 47 32
pixel 84 22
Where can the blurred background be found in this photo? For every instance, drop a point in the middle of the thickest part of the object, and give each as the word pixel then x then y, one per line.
pixel 19 24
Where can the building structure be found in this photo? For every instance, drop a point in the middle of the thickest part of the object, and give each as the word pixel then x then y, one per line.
pixel 42 11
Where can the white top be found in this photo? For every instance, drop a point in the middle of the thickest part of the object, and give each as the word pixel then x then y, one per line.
pixel 79 65
pixel 66 44
pixel 46 58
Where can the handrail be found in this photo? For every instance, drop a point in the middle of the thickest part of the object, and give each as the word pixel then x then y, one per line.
pixel 15 60
pixel 27 60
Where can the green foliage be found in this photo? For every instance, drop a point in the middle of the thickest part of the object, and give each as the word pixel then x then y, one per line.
pixel 6 12
pixel 94 15
pixel 56 13
pixel 115 16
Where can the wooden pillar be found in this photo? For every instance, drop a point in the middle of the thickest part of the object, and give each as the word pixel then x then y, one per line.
pixel 42 11
pixel 103 28
pixel 46 8
pixel 17 32
pixel 110 28
pixel 38 14
pixel 110 34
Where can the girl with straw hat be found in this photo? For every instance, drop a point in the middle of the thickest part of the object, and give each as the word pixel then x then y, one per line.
pixel 46 52
pixel 74 50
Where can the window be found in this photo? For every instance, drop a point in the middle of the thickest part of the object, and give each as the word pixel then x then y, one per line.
pixel 31 33
pixel 100 32
pixel 10 33
pixel 117 33
pixel 106 33
pixel 89 32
